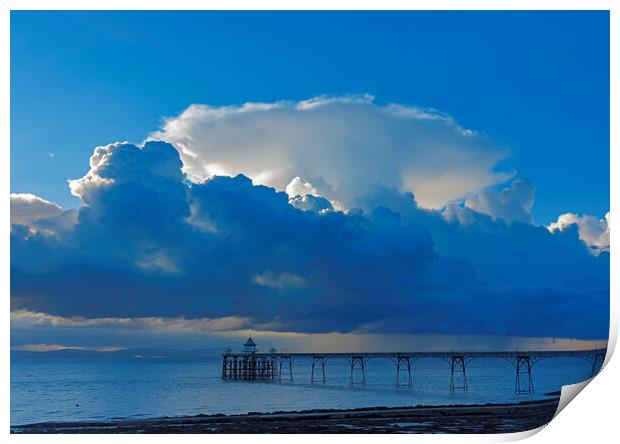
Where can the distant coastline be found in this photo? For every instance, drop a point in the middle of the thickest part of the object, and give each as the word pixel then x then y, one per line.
pixel 122 354
pixel 482 418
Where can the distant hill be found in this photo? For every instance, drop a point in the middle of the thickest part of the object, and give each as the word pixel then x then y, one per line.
pixel 130 353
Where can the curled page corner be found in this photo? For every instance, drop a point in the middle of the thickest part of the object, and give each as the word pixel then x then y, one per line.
pixel 518 436
pixel 569 392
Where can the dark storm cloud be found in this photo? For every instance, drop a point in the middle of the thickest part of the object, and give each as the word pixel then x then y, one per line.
pixel 149 243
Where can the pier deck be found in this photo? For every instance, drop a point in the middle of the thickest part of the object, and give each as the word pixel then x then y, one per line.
pixel 278 367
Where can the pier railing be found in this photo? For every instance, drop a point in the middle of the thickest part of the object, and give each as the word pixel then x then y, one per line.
pixel 278 367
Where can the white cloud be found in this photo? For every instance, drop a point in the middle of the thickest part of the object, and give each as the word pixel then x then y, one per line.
pixel 278 281
pixel 24 318
pixel 121 161
pixel 158 261
pixel 56 347
pixel 310 202
pixel 26 208
pixel 511 204
pixel 40 215
pixel 464 216
pixel 593 232
pixel 343 146
pixel 92 179
pixel 298 187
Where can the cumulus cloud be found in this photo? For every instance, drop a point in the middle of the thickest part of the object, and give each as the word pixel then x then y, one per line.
pixel 26 208
pixel 593 232
pixel 309 202
pixel 149 244
pixel 342 146
pixel 297 187
pixel 464 216
pixel 512 204
pixel 130 164
pixel 39 214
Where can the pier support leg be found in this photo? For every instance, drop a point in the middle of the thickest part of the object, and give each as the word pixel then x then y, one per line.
pixel 274 368
pixel 405 363
pixel 280 371
pixel 362 364
pixel 290 368
pixel 597 363
pixel 523 382
pixel 457 365
pixel 229 368
pixel 318 360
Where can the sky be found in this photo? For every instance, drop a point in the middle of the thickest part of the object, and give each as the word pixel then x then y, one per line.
pixel 379 173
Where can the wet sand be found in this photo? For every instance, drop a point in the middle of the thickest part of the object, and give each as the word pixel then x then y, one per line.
pixel 488 418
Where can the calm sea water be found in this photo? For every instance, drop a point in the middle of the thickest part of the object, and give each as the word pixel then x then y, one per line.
pixel 73 389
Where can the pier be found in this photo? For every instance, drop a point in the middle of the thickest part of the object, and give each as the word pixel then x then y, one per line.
pixel 251 365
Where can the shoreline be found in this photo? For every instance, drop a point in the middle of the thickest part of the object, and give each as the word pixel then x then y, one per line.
pixel 478 418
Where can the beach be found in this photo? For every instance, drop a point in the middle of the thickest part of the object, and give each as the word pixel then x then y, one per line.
pixel 483 418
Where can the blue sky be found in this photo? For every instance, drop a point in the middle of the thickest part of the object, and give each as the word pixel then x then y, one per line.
pixel 309 176
pixel 536 83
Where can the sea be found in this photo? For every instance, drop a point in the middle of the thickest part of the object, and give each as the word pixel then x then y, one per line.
pixel 73 389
